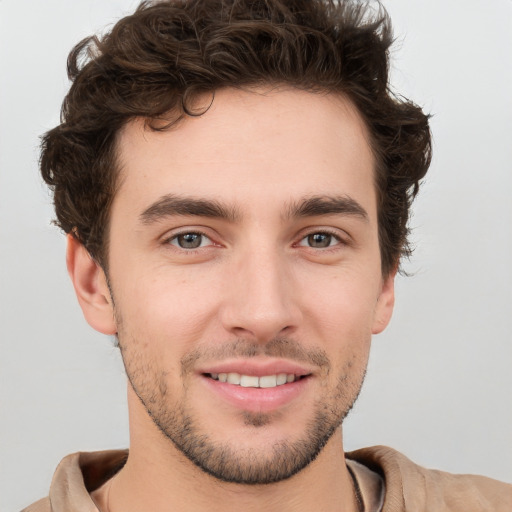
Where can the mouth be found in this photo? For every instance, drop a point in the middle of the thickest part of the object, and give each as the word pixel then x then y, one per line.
pixel 261 393
pixel 254 381
pixel 258 385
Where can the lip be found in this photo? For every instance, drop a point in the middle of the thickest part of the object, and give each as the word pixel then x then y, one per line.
pixel 262 400
pixel 257 368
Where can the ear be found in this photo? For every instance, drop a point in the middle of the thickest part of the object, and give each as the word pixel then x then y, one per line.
pixel 91 287
pixel 385 304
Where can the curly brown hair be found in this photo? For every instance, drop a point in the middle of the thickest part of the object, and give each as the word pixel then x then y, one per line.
pixel 153 64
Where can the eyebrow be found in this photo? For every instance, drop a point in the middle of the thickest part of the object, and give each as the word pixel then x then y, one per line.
pixel 326 205
pixel 170 205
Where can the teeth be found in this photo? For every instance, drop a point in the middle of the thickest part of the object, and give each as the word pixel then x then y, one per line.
pixel 233 378
pixel 268 381
pixel 251 381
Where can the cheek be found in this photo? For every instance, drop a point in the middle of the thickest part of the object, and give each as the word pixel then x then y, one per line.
pixel 343 305
pixel 340 319
pixel 166 308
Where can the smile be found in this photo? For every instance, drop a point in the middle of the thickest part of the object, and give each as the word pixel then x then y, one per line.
pixel 253 381
pixel 255 388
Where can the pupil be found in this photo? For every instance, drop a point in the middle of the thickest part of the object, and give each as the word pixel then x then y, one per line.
pixel 319 240
pixel 189 240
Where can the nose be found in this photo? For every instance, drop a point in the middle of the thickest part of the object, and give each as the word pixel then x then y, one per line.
pixel 261 302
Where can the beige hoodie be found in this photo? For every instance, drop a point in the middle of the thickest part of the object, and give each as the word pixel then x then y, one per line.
pixel 412 488
pixel 407 486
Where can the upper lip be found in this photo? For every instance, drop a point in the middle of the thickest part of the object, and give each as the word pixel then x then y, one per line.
pixel 257 368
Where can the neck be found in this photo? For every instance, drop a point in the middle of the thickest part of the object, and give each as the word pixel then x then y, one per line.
pixel 157 476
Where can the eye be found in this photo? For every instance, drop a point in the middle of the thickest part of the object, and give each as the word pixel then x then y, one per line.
pixel 320 240
pixel 191 240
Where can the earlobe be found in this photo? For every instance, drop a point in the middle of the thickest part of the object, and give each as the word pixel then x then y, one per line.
pixel 385 304
pixel 91 287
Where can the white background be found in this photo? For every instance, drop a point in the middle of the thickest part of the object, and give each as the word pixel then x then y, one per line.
pixel 440 378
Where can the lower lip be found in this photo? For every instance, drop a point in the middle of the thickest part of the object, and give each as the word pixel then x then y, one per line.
pixel 257 399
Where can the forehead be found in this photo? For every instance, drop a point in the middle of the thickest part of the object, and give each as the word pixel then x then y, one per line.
pixel 270 146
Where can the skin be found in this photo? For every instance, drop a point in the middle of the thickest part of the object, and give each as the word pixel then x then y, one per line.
pixel 269 286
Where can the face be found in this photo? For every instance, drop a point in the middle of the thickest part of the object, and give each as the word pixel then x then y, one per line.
pixel 245 276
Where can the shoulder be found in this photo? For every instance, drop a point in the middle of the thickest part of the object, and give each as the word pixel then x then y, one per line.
pixel 39 506
pixel 412 487
pixel 75 477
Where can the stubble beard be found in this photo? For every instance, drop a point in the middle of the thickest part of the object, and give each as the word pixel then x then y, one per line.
pixel 228 463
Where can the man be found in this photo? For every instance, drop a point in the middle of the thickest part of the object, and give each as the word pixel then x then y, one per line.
pixel 235 181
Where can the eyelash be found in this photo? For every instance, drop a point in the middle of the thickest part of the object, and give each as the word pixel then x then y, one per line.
pixel 335 236
pixel 327 232
pixel 176 236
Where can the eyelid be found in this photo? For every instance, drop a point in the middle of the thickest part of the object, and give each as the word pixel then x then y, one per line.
pixel 175 233
pixel 205 238
pixel 341 236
